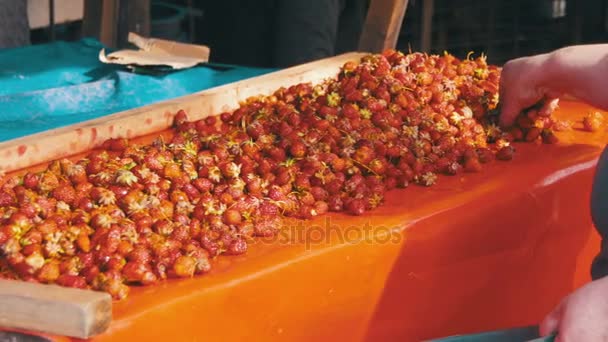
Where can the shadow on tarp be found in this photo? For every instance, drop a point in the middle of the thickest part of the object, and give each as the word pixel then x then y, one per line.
pixel 54 85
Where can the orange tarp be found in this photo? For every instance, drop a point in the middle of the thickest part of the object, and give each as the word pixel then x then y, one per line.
pixel 475 252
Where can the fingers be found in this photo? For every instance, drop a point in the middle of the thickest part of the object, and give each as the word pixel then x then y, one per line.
pixel 519 89
pixel 511 109
pixel 551 323
pixel 509 112
pixel 548 107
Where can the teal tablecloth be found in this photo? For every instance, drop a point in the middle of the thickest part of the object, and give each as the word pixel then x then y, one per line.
pixel 53 85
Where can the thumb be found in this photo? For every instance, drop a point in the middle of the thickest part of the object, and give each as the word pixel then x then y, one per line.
pixel 509 112
pixel 549 106
pixel 551 323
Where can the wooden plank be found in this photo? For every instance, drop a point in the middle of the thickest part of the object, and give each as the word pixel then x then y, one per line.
pixel 62 142
pixel 91 18
pixel 100 20
pixel 54 309
pixel 382 25
pixel 109 20
pixel 426 39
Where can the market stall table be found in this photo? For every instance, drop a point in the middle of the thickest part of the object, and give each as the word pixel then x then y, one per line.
pixel 475 252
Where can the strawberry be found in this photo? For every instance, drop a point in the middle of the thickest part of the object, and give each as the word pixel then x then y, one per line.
pixel 65 193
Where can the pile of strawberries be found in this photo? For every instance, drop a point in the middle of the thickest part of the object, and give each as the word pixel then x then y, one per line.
pixel 132 214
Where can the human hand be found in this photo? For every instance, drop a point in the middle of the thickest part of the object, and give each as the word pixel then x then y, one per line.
pixel 582 316
pixel 522 85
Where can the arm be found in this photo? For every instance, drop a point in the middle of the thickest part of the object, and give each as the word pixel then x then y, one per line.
pixel 582 316
pixel 581 71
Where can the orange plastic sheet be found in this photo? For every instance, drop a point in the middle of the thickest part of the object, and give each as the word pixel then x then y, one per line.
pixel 475 252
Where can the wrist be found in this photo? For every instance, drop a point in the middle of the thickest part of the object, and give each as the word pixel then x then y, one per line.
pixel 568 69
pixel 550 71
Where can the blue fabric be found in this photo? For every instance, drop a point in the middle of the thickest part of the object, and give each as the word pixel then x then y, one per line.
pixel 58 84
